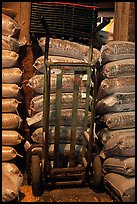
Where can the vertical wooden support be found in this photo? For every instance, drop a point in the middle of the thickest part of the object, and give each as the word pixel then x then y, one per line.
pixel 121 19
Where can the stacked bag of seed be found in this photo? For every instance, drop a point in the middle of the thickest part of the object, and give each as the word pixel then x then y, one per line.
pixel 59 51
pixel 11 100
pixel 116 122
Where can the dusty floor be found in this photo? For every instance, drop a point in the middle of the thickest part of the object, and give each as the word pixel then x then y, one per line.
pixel 66 194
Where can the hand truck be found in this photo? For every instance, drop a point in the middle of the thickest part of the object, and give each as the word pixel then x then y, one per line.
pixel 72 163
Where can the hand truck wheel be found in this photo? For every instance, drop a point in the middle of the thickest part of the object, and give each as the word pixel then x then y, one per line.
pixel 36 175
pixel 97 171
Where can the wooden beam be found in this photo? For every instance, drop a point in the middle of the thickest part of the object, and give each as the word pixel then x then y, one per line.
pixel 121 19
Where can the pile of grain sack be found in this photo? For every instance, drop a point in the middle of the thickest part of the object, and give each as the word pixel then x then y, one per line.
pixel 59 51
pixel 11 100
pixel 116 118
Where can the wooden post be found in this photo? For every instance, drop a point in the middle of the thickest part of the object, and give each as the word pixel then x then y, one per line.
pixel 121 21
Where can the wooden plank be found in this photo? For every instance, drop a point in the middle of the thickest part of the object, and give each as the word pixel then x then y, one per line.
pixel 25 20
pixel 121 19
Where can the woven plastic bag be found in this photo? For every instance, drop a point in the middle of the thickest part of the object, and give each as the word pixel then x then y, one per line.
pixel 9 43
pixel 39 63
pixel 104 134
pixel 9 153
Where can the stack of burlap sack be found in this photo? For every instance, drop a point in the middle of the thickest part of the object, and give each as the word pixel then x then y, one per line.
pixel 59 51
pixel 11 100
pixel 116 118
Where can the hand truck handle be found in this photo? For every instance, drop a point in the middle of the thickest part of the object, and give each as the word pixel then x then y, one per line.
pixel 100 26
pixel 45 25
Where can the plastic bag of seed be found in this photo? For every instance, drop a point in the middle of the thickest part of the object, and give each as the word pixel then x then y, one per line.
pixel 120 165
pixel 125 84
pixel 11 121
pixel 11 91
pixel 118 68
pixel 9 43
pixel 120 187
pixel 70 49
pixel 39 63
pixel 120 120
pixel 66 118
pixel 36 103
pixel 117 50
pixel 10 27
pixel 65 134
pixel 117 102
pixel 105 134
pixel 11 137
pixel 120 145
pixel 37 83
pixel 10 105
pixel 9 58
pixel 9 153
pixel 12 75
